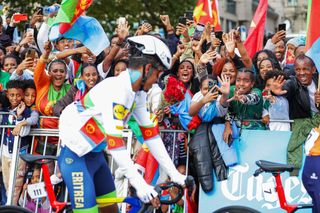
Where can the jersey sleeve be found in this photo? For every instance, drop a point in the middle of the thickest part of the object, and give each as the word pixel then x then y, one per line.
pixel 149 129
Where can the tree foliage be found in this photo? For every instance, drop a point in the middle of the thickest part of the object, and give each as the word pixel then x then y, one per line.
pixel 107 11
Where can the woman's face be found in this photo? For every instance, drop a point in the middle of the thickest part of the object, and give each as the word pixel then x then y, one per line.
pixel 9 65
pixel 229 70
pixel 185 72
pixel 265 67
pixel 120 67
pixel 90 76
pixel 244 83
pixel 57 74
pixel 261 56
pixel 85 58
pixel 2 55
pixel 29 96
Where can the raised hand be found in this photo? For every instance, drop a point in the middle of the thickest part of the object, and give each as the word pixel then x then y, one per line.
pixel 208 56
pixel 47 47
pixel 146 27
pixel 165 20
pixel 277 84
pixel 183 30
pixel 20 109
pixel 25 64
pixel 210 96
pixel 224 82
pixel 238 97
pixel 180 49
pixel 278 36
pixel 122 31
pixel 229 42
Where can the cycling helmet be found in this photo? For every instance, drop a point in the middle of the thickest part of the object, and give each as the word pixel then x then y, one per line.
pixel 151 45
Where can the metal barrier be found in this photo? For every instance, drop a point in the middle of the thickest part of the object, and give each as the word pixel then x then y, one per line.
pixel 36 132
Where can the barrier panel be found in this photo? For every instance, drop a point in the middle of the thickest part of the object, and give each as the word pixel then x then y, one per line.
pixel 45 134
pixel 243 189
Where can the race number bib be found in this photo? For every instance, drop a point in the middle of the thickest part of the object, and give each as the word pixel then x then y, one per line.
pixel 311 139
pixel 37 190
pixel 269 192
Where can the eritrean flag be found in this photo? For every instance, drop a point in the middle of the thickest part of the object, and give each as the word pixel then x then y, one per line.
pixel 69 12
pixel 313 35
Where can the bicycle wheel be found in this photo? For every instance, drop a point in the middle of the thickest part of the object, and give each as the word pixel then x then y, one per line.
pixel 236 209
pixel 13 209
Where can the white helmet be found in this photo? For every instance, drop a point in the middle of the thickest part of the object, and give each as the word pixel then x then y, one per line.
pixel 151 45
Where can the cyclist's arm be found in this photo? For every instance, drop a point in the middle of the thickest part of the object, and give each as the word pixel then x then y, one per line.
pixel 150 133
pixel 113 125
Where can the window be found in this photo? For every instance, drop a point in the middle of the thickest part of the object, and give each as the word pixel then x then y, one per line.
pixel 231 6
pixel 231 25
pixel 292 2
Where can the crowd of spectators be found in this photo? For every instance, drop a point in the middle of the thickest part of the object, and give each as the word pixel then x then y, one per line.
pixel 226 90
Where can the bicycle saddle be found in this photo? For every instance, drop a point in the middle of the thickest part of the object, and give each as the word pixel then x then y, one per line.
pixel 272 167
pixel 37 158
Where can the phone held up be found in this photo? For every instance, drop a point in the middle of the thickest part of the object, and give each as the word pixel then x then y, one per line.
pixel 211 84
pixel 183 20
pixel 282 26
pixel 198 31
pixel 218 35
pixel 189 15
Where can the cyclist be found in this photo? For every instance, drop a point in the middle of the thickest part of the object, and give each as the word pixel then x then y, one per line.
pixel 88 126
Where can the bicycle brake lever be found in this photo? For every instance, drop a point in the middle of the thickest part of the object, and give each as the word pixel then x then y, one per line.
pixel 258 172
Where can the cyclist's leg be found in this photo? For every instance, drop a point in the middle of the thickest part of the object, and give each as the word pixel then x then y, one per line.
pixel 104 183
pixel 311 180
pixel 79 181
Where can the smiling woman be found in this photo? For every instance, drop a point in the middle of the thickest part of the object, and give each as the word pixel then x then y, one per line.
pixel 50 88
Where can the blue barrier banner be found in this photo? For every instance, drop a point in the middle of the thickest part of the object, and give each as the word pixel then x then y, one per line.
pixel 243 189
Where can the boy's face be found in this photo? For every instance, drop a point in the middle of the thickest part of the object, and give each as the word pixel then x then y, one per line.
pixel 15 96
pixel 29 96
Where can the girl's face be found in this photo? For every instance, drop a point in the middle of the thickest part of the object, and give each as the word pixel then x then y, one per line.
pixel 9 65
pixel 261 56
pixel 204 87
pixel 57 74
pixel 244 83
pixel 265 67
pixel 35 176
pixel 229 71
pixel 269 83
pixel 185 72
pixel 120 67
pixel 29 96
pixel 90 76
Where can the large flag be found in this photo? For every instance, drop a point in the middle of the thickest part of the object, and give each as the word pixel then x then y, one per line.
pixel 215 15
pixel 87 30
pixel 202 13
pixel 254 41
pixel 313 36
pixel 69 12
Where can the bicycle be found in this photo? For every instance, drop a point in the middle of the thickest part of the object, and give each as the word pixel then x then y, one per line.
pixel 137 206
pixel 276 169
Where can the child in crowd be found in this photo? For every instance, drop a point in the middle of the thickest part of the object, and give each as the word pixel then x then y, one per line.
pixel 31 204
pixel 29 100
pixel 245 103
pixel 10 63
pixel 274 107
pixel 18 113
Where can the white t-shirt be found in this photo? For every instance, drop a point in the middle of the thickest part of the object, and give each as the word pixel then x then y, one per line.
pixel 312 90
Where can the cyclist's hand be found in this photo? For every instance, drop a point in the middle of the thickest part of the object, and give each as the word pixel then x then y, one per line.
pixel 147 194
pixel 178 178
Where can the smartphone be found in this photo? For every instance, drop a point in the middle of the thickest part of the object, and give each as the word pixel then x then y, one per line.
pixel 30 31
pixel 218 35
pixel 189 15
pixel 211 84
pixel 198 32
pixel 182 20
pixel 282 26
pixel 121 20
pixel 20 17
pixel 31 53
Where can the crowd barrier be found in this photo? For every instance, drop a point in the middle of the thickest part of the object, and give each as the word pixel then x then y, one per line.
pixel 46 133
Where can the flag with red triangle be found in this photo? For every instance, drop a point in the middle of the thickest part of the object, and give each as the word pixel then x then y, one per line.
pixel 203 12
pixel 254 41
